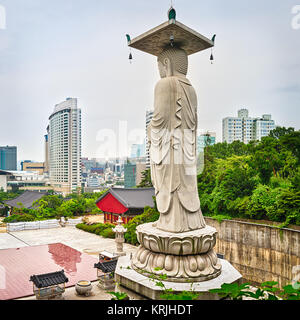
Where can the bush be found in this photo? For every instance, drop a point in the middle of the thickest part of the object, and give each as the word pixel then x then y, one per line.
pixel 19 218
pixel 263 203
pixel 88 228
pixel 108 233
pixel 205 202
pixel 241 205
pixel 288 206
pixel 277 182
pixel 149 215
pixel 100 229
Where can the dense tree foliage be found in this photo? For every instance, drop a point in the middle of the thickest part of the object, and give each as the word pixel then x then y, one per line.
pixel 259 180
pixel 56 207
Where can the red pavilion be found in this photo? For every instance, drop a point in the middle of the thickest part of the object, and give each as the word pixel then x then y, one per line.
pixel 125 202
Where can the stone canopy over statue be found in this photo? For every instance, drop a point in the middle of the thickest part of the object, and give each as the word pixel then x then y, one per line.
pixel 179 244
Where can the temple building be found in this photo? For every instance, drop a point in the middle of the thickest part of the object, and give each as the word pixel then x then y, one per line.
pixel 125 202
pixel 25 200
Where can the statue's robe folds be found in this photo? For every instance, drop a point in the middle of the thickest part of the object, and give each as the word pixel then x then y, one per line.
pixel 172 135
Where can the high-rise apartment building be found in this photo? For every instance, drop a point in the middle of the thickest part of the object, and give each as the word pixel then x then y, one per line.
pixel 8 158
pixel 263 126
pixel 245 128
pixel 149 116
pixel 64 139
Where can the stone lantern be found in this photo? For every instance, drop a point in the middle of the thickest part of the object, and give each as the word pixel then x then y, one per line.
pixel 120 230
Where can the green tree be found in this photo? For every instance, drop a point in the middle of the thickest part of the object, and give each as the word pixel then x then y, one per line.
pixel 268 158
pixel 146 179
pixel 263 202
pixel 288 207
pixel 291 142
pixel 234 179
pixel 280 132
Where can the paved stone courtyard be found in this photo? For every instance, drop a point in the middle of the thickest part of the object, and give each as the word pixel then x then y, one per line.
pixel 80 240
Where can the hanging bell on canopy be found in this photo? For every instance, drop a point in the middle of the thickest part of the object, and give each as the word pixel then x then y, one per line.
pixel 130 57
pixel 212 56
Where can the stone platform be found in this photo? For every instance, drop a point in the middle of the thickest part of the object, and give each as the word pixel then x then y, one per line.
pixel 129 278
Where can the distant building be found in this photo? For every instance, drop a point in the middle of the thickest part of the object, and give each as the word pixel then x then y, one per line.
pixel 93 181
pixel 8 158
pixel 264 126
pixel 65 147
pixel 133 174
pixel 246 129
pixel 33 166
pixel 3 180
pixel 137 151
pixel 129 175
pixel 118 168
pixel 46 164
pixel 97 170
pixel 149 116
pixel 28 180
pixel 88 164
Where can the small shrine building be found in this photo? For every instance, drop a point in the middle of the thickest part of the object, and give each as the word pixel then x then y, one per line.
pixel 125 202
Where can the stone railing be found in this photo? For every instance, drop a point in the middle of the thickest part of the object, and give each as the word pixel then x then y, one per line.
pixel 46 224
pixel 259 252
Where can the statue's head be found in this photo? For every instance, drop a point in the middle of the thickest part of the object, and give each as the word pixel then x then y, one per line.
pixel 172 61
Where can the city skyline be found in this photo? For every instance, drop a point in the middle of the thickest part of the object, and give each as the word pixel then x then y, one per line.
pixel 41 63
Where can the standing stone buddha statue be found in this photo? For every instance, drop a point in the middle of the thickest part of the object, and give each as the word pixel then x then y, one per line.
pixel 172 135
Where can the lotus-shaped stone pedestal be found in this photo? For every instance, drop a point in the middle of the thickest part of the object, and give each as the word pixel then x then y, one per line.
pixel 179 256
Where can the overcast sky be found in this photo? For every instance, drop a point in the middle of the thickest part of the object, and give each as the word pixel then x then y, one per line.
pixel 54 49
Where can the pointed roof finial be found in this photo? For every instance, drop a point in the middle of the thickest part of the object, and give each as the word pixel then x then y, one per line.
pixel 172 14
